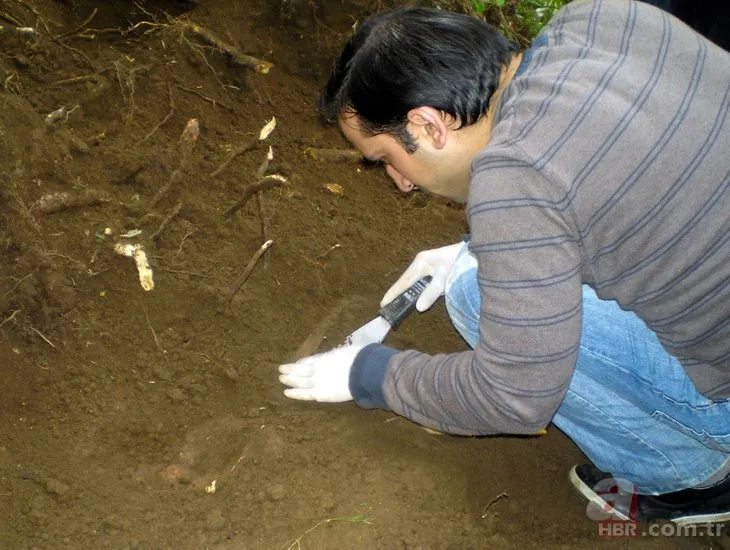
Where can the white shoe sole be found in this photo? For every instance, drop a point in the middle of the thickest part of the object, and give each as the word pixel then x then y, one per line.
pixel 591 496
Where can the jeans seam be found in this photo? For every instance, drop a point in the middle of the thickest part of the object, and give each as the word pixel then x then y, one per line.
pixel 604 358
pixel 641 379
pixel 632 434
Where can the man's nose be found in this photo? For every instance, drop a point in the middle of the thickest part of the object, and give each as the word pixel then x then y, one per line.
pixel 401 182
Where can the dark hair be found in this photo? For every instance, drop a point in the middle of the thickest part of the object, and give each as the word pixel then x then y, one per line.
pixel 410 57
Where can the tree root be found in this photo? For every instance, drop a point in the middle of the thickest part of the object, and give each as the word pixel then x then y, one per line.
pixel 248 269
pixel 267 182
pixel 171 216
pixel 238 151
pixel 334 155
pixel 56 202
pixel 233 53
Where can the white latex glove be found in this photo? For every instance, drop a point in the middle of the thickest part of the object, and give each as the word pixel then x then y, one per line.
pixel 324 377
pixel 437 263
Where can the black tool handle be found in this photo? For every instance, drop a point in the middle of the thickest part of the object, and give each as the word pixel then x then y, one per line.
pixel 405 303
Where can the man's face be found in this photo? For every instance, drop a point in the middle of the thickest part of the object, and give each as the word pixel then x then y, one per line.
pixel 440 165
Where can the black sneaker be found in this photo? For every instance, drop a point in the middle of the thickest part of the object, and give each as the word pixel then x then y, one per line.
pixel 616 498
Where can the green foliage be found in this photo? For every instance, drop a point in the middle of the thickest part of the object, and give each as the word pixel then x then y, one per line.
pixel 520 20
pixel 536 13
pixel 481 7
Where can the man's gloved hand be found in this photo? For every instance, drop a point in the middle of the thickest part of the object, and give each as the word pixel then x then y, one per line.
pixel 324 377
pixel 437 263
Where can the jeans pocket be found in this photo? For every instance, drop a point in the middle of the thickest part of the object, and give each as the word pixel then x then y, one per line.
pixel 715 439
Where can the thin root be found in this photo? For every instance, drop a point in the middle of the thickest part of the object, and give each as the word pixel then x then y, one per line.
pixel 39 333
pixel 152 330
pixel 494 501
pixel 215 102
pixel 163 121
pixel 12 317
pixel 81 27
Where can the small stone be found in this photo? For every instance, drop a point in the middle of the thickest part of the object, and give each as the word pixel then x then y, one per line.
pixel 498 542
pixel 79 145
pixel 328 502
pixel 232 374
pixel 215 521
pixel 177 395
pixel 162 372
pixel 21 62
pixel 55 487
pixel 276 492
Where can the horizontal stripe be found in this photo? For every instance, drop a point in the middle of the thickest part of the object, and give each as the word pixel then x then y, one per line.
pixel 548 280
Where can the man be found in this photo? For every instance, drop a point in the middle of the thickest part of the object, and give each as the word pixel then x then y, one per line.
pixel 594 290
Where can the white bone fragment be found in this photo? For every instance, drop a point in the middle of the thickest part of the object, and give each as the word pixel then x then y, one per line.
pixel 140 258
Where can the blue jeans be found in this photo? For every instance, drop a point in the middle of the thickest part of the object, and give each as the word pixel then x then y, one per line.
pixel 630 406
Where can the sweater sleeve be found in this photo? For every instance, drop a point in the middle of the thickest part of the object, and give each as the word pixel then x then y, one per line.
pixel 529 277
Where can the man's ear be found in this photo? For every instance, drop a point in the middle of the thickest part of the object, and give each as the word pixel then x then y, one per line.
pixel 430 124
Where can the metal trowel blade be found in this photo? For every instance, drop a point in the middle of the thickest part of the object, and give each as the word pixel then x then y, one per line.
pixel 373 332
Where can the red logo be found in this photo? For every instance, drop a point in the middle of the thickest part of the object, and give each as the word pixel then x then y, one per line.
pixel 616 508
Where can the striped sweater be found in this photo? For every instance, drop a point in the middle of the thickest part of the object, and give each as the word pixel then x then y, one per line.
pixel 608 165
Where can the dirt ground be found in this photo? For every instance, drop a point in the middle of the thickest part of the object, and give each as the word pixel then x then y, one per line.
pixel 154 419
